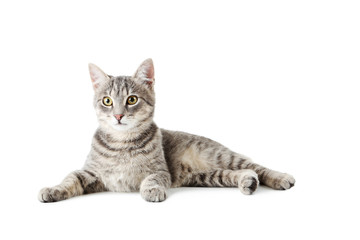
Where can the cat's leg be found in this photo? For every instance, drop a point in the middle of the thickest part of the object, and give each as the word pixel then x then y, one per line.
pixel 246 180
pixel 75 184
pixel 268 177
pixel 227 159
pixel 153 187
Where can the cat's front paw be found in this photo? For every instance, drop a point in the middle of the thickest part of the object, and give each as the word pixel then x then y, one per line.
pixel 51 195
pixel 154 194
pixel 248 182
pixel 284 181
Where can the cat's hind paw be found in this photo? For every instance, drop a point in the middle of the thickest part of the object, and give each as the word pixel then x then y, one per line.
pixel 248 182
pixel 285 181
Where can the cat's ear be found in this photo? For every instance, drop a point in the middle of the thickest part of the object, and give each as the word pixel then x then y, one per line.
pixel 98 77
pixel 145 72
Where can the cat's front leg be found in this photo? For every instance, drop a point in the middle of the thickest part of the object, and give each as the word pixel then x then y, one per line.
pixel 153 187
pixel 75 184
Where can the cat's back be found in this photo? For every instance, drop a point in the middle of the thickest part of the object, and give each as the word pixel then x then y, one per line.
pixel 176 144
pixel 178 141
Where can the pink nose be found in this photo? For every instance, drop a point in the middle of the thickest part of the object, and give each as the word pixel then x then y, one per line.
pixel 118 116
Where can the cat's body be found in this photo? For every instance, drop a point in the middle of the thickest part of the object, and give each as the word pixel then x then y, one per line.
pixel 130 153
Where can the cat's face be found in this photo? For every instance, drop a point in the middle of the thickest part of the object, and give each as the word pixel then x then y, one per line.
pixel 125 102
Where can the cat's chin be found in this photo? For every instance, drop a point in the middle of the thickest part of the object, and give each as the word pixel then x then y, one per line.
pixel 121 127
pixel 115 127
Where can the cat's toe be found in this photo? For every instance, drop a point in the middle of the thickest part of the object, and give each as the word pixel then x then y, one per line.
pixel 248 184
pixel 51 195
pixel 286 182
pixel 44 195
pixel 155 194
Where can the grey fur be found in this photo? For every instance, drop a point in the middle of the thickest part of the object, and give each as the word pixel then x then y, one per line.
pixel 133 154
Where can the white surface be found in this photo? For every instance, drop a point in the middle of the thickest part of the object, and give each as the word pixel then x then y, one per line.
pixel 274 80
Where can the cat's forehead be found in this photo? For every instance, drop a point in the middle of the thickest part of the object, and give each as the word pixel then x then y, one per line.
pixel 117 84
pixel 123 85
pixel 120 82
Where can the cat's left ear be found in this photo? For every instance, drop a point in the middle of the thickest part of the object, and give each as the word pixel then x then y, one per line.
pixel 145 72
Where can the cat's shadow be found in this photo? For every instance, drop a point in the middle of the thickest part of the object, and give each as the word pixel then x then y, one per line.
pixel 173 191
pixel 181 190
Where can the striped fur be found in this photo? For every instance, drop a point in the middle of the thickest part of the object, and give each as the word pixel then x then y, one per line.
pixel 133 154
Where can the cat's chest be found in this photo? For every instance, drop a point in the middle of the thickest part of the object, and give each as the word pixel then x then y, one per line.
pixel 121 175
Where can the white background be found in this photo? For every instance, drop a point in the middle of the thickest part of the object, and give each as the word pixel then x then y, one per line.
pixel 275 80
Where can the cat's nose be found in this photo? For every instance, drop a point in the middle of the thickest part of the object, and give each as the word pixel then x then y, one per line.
pixel 118 116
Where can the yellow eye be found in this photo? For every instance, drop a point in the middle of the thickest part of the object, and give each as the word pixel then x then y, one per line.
pixel 107 101
pixel 132 100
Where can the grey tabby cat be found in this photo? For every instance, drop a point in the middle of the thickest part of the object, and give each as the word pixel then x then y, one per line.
pixel 130 153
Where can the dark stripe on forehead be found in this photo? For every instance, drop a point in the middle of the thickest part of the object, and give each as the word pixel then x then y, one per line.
pixel 126 85
pixel 123 88
pixel 120 84
pixel 117 87
pixel 110 87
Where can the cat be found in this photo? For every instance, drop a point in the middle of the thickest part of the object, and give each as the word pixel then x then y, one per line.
pixel 130 153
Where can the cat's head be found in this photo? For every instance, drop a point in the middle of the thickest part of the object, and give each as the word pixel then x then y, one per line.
pixel 124 102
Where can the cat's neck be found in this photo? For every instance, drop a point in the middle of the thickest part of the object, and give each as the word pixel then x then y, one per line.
pixel 125 135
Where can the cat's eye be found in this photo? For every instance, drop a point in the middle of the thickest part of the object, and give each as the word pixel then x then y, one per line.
pixel 132 100
pixel 107 101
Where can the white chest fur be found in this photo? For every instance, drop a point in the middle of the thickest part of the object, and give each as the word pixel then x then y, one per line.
pixel 119 175
pixel 122 180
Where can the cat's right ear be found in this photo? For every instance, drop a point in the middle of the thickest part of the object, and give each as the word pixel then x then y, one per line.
pixel 98 77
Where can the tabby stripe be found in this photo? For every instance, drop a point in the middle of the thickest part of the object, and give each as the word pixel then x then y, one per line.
pixel 263 174
pixel 126 87
pixel 120 90
pixel 90 173
pixel 145 142
pixel 205 146
pixel 245 164
pixel 188 144
pixel 231 161
pixel 220 178
pixel 219 158
pixel 182 167
pixel 101 152
pixel 81 180
pixel 110 86
pixel 104 144
pixel 134 153
pixel 202 177
pixel 146 101
pixel 241 162
pixel 212 178
pixel 143 135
